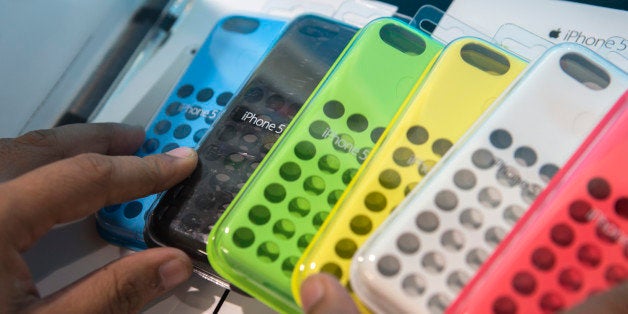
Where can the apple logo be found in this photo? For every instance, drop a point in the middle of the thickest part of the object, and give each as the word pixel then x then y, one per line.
pixel 554 33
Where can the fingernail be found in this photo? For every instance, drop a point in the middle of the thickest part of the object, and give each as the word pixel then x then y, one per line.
pixel 173 273
pixel 181 152
pixel 312 292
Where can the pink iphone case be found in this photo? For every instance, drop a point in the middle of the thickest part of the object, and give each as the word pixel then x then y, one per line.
pixel 573 241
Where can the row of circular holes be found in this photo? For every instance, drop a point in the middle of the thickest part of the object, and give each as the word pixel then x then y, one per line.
pixel 182 131
pixel 274 102
pixel 152 144
pixel 290 171
pixel 451 239
pixel 570 279
pixel 390 179
pixel 269 251
pixel 299 207
pixel 563 235
pixel 134 208
pixel 408 243
pixel 375 201
pixel 588 255
pixel 232 161
pixel 204 94
pixel 524 156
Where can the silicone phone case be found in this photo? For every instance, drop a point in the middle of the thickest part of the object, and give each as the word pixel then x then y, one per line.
pixel 573 242
pixel 261 236
pixel 422 132
pixel 221 65
pixel 426 251
pixel 245 133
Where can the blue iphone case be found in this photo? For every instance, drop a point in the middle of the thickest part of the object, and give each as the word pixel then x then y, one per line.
pixel 228 56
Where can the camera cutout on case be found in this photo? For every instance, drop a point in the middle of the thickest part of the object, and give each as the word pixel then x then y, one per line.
pixel 322 31
pixel 484 59
pixel 584 71
pixel 402 39
pixel 241 24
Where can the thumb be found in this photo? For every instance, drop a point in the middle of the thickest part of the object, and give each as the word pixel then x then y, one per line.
pixel 123 286
pixel 614 300
pixel 322 293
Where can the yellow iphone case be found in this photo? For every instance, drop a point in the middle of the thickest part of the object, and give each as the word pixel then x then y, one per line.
pixel 467 77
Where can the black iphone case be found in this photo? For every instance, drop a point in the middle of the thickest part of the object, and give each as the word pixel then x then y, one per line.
pixel 247 130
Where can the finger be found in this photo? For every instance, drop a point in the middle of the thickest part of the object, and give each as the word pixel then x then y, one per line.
pixel 612 301
pixel 322 293
pixel 75 187
pixel 37 148
pixel 124 286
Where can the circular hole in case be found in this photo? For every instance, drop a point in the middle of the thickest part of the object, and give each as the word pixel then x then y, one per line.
pixel 446 200
pixel 403 156
pixel 389 179
pixel 441 146
pixel 417 135
pixel 408 243
pixel 414 285
pixel 500 139
pixel 543 259
pixel 427 221
pixel 268 252
pixel 357 123
pixel 319 129
pixel 275 193
pixel 332 269
pixel 185 91
pixel 305 150
pixel 205 94
pixel 388 265
pixel 361 225
pixel 133 209
pixel 259 214
pixel 483 158
pixel 465 179
pixel 525 156
pixel 599 188
pixel 243 237
pixel 290 171
pixel 334 109
pixel 284 229
pixel 299 207
pixel 375 201
pixel 345 248
pixel 333 197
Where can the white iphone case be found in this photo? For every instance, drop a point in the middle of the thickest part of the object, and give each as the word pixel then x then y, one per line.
pixel 422 256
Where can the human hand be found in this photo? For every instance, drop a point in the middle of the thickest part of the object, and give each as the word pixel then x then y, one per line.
pixel 60 175
pixel 323 294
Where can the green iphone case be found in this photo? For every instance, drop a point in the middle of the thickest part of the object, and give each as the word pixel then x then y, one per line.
pixel 260 237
